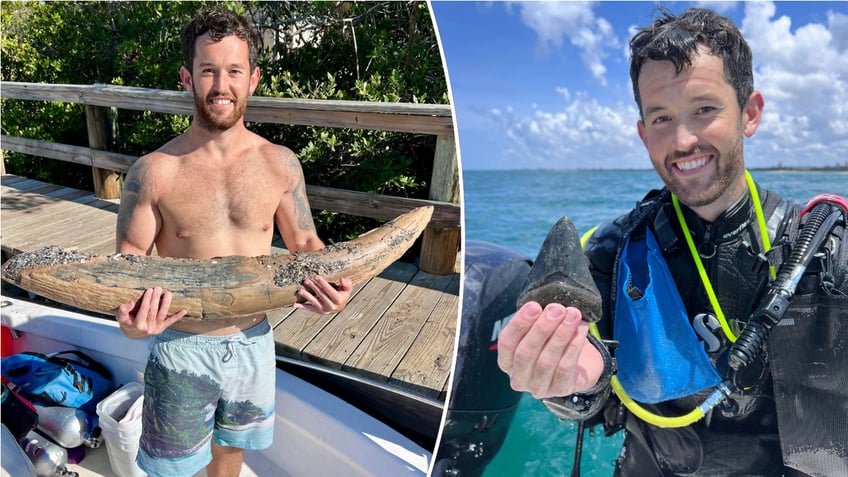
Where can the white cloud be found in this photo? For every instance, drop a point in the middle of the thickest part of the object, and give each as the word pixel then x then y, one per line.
pixel 585 134
pixel 720 7
pixel 555 21
pixel 838 26
pixel 803 75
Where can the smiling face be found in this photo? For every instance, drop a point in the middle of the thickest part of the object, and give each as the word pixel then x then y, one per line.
pixel 221 81
pixel 693 130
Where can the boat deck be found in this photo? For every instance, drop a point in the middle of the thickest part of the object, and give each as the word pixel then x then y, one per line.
pixel 398 328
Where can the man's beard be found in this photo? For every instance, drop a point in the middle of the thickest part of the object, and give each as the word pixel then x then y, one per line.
pixel 211 121
pixel 727 168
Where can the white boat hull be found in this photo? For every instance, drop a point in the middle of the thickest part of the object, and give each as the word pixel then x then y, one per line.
pixel 316 434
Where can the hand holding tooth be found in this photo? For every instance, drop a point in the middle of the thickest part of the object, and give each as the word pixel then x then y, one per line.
pixel 544 349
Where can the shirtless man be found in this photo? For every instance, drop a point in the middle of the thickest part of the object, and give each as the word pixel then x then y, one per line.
pixel 215 190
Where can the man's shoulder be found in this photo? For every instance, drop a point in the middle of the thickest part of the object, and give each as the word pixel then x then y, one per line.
pixel 174 148
pixel 273 151
pixel 153 163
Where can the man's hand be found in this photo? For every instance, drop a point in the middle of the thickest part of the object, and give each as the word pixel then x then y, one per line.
pixel 149 316
pixel 322 297
pixel 546 353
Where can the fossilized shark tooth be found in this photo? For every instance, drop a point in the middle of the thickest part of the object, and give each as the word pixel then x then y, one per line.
pixel 215 288
pixel 561 274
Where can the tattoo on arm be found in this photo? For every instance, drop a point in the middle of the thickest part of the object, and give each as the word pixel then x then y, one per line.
pixel 301 203
pixel 129 201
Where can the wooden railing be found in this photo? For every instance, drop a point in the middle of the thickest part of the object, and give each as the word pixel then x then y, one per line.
pixel 440 240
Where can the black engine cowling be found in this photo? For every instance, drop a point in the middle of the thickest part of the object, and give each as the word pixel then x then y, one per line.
pixel 482 404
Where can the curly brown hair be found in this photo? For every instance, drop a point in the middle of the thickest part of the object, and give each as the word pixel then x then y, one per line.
pixel 219 22
pixel 677 38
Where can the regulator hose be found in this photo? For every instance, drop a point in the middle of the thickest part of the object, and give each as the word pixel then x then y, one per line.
pixel 823 216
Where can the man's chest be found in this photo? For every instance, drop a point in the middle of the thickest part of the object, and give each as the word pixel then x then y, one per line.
pixel 210 206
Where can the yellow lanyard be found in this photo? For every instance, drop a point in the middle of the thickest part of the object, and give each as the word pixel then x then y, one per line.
pixel 758 208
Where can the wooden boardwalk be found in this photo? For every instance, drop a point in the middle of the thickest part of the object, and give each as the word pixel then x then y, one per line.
pixel 398 328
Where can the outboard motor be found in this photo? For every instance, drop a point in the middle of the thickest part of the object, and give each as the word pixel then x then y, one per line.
pixel 482 404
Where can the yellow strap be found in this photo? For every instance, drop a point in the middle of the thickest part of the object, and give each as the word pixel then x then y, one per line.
pixel 761 218
pixel 708 287
pixel 661 421
pixel 585 238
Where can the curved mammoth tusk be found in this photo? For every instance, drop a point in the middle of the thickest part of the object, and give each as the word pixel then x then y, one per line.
pixel 214 288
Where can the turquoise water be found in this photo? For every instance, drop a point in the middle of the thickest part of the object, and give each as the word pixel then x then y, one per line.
pixel 516 209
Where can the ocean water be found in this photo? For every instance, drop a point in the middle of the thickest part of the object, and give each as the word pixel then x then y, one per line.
pixel 516 209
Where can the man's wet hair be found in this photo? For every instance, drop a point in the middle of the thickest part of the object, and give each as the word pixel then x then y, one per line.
pixel 677 38
pixel 219 22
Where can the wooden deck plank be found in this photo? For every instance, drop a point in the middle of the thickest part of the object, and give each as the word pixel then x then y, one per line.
pixel 27 200
pixel 31 185
pixel 341 336
pixel 95 227
pixel 68 225
pixel 379 354
pixel 429 360
pixel 37 187
pixel 24 201
pixel 54 216
pixel 298 328
pixel 106 245
pixel 12 180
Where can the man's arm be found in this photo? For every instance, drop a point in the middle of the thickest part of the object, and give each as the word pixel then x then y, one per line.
pixel 294 220
pixel 139 223
pixel 293 216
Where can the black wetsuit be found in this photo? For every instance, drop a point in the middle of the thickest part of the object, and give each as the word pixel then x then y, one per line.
pixel 740 437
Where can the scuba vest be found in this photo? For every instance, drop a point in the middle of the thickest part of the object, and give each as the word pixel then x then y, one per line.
pixel 661 360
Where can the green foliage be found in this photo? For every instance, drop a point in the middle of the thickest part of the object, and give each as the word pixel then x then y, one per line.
pixel 366 51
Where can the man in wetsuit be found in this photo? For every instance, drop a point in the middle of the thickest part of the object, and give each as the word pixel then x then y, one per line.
pixel 216 190
pixel 693 82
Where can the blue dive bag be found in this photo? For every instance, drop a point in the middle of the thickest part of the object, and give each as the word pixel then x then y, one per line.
pixel 660 357
pixel 77 381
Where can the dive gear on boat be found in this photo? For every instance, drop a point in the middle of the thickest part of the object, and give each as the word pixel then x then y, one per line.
pixel 69 427
pixel 48 459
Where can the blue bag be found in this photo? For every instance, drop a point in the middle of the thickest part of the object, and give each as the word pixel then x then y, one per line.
pixel 78 382
pixel 659 356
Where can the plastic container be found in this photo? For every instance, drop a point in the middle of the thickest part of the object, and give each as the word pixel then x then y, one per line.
pixel 120 421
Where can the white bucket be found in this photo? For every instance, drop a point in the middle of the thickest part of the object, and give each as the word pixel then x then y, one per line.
pixel 120 419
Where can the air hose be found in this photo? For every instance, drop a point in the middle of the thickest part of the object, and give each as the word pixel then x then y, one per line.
pixel 824 213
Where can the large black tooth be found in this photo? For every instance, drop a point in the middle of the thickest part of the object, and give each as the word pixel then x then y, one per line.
pixel 561 274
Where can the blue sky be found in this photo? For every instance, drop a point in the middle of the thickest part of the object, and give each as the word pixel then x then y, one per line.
pixel 546 84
